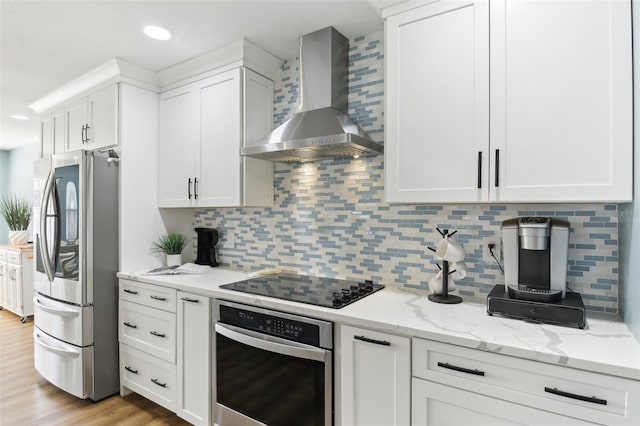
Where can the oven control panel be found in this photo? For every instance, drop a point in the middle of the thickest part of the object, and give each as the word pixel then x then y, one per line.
pixel 271 324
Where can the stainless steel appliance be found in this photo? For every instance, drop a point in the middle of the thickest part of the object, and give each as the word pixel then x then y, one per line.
pixel 535 257
pixel 535 253
pixel 321 129
pixel 271 367
pixel 327 292
pixel 75 284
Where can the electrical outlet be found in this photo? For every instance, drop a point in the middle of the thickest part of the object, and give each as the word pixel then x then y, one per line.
pixel 486 256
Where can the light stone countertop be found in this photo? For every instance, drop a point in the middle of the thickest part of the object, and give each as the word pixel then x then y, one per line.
pixel 606 345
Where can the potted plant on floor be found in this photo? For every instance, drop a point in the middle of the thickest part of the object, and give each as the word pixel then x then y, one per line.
pixel 16 211
pixel 171 245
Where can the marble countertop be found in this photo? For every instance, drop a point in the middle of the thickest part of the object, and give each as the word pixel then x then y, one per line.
pixel 606 345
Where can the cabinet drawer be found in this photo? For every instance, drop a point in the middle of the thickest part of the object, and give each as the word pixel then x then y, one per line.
pixel 149 295
pixel 578 393
pixel 14 257
pixel 3 255
pixel 149 376
pixel 148 329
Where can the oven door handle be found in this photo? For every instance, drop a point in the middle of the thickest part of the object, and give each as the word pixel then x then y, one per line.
pixel 265 342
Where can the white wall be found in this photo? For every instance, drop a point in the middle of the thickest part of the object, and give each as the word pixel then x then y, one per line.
pixel 16 177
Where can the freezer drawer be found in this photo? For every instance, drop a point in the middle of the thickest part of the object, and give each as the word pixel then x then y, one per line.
pixel 69 323
pixel 66 366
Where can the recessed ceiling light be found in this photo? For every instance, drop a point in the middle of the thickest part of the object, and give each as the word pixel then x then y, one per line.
pixel 20 117
pixel 157 33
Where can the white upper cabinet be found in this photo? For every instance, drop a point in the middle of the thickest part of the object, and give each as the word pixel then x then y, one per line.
pixel 92 121
pixel 52 133
pixel 508 101
pixel 561 100
pixel 179 138
pixel 437 99
pixel 46 136
pixel 203 125
pixel 76 119
pixel 103 118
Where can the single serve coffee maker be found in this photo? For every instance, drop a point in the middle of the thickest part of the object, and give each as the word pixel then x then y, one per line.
pixel 207 240
pixel 535 252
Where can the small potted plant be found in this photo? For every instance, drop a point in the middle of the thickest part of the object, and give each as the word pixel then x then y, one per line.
pixel 16 211
pixel 171 245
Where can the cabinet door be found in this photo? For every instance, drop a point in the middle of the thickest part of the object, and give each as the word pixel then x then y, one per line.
pixel 103 118
pixel 433 404
pixel 16 292
pixel 13 281
pixel 257 182
pixel 179 138
pixel 375 378
pixel 4 284
pixel 437 103
pixel 57 119
pixel 76 119
pixel 561 100
pixel 46 137
pixel 218 161
pixel 194 358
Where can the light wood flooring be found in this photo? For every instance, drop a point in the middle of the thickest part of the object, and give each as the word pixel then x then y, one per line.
pixel 28 399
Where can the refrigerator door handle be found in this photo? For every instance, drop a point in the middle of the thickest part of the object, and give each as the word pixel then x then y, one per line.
pixel 58 232
pixel 44 242
pixel 55 311
pixel 55 350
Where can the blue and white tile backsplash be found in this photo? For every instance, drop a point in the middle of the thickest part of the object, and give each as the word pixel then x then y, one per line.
pixel 330 219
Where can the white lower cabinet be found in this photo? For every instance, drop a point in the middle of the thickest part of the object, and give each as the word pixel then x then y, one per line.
pixel 16 281
pixel 165 348
pixel 454 385
pixel 441 405
pixel 149 376
pixel 194 355
pixel 147 335
pixel 374 378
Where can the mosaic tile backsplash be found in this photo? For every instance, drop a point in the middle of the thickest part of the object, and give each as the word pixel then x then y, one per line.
pixel 330 219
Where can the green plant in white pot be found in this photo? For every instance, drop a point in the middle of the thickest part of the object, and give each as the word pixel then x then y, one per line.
pixel 171 245
pixel 16 211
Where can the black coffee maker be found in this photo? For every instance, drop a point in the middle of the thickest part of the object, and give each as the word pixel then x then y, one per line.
pixel 207 240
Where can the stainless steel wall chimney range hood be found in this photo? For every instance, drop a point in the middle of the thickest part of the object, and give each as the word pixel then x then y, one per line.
pixel 321 129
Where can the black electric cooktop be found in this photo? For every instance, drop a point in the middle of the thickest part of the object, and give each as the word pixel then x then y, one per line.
pixel 327 292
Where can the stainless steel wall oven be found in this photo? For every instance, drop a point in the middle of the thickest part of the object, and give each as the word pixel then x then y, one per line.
pixel 271 367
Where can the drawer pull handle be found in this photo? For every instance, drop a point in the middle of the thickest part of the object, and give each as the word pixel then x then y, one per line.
pixel 126 290
pixel 131 370
pixel 592 399
pixel 130 325
pixel 158 297
pixel 155 333
pixel 377 342
pixel 460 369
pixel 188 299
pixel 164 385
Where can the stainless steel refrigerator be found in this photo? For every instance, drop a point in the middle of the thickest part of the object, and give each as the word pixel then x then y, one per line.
pixel 75 284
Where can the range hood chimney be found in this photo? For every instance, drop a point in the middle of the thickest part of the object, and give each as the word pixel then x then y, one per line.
pixel 321 129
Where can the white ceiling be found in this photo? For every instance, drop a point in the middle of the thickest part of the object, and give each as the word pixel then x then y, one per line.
pixel 45 44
